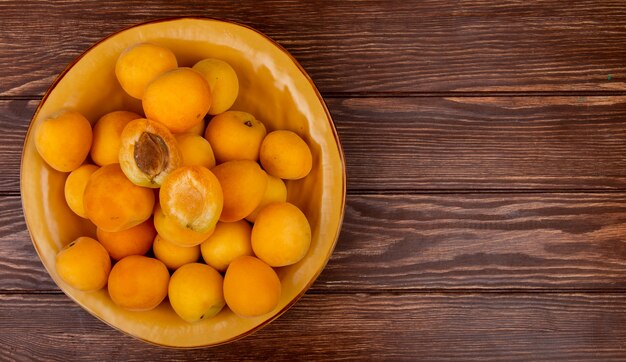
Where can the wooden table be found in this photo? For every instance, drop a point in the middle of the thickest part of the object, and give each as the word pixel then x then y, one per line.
pixel 485 146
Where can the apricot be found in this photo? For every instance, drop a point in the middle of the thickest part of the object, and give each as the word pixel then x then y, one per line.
pixel 223 82
pixel 195 292
pixel 229 241
pixel 179 99
pixel 169 229
pixel 172 255
pixel 114 203
pixel 64 141
pixel 192 196
pixel 107 136
pixel 197 128
pixel 148 152
pixel 195 150
pixel 141 63
pixel 235 135
pixel 276 191
pixel 251 287
pixel 285 155
pixel 243 185
pixel 136 240
pixel 75 188
pixel 138 283
pixel 84 264
pixel 281 234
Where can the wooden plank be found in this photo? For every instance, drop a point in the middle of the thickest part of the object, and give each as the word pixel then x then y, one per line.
pixel 360 46
pixel 444 144
pixel 362 326
pixel 508 242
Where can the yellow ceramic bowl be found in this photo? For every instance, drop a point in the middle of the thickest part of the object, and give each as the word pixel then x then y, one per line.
pixel 274 87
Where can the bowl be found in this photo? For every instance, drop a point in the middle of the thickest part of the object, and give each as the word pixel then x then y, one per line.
pixel 273 87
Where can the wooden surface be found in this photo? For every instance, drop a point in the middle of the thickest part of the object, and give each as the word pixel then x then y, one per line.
pixel 485 148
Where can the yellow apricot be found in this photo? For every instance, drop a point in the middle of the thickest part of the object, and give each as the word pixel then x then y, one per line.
pixel 276 191
pixel 64 141
pixel 192 196
pixel 251 287
pixel 179 99
pixel 148 152
pixel 169 229
pixel 235 135
pixel 285 155
pixel 195 150
pixel 138 283
pixel 114 203
pixel 195 292
pixel 136 240
pixel 243 185
pixel 172 255
pixel 281 234
pixel 197 128
pixel 141 63
pixel 107 134
pixel 84 264
pixel 75 188
pixel 229 241
pixel 223 82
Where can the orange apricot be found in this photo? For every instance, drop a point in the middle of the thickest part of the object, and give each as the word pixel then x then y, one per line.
pixel 169 229
pixel 285 155
pixel 251 287
pixel 64 141
pixel 276 191
pixel 173 255
pixel 83 264
pixel 192 196
pixel 148 152
pixel 107 135
pixel 223 82
pixel 139 64
pixel 114 203
pixel 235 135
pixel 138 283
pixel 136 240
pixel 195 150
pixel 229 241
pixel 243 184
pixel 75 188
pixel 195 292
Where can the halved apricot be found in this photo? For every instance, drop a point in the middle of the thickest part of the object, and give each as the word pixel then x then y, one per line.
pixel 148 152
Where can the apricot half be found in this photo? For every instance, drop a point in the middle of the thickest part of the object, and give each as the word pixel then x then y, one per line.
pixel 114 203
pixel 192 196
pixel 235 135
pixel 179 99
pixel 107 134
pixel 138 283
pixel 139 64
pixel 64 141
pixel 148 152
pixel 243 184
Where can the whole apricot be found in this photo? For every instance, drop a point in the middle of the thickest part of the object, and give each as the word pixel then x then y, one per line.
pixel 281 234
pixel 229 241
pixel 84 264
pixel 197 128
pixel 223 82
pixel 192 196
pixel 107 136
pixel 243 185
pixel 179 99
pixel 235 135
pixel 64 141
pixel 285 155
pixel 276 191
pixel 173 255
pixel 75 188
pixel 136 240
pixel 195 292
pixel 169 229
pixel 148 152
pixel 140 64
pixel 114 203
pixel 138 283
pixel 251 287
pixel 195 150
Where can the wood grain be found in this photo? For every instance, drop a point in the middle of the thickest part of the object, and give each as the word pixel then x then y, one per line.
pixel 432 144
pixel 359 46
pixel 457 242
pixel 377 327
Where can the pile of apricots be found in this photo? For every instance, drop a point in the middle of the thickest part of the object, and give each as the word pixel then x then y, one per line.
pixel 194 212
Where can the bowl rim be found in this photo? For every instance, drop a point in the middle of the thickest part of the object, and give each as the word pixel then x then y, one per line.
pixel 337 143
